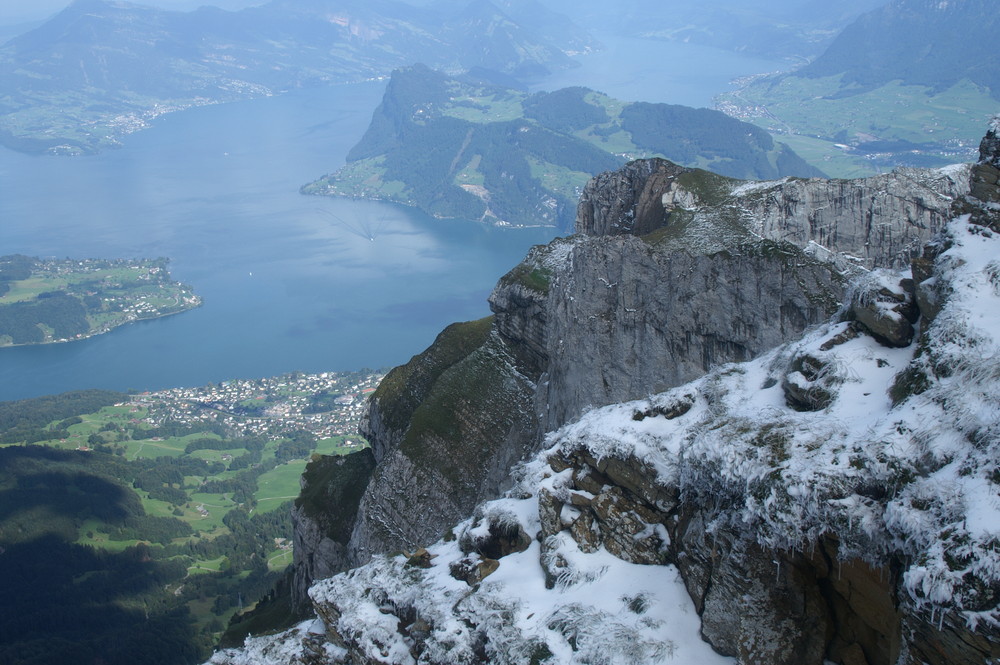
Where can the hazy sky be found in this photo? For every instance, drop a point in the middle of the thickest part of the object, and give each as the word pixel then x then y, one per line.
pixel 19 11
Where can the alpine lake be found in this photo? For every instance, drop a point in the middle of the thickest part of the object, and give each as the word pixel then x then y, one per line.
pixel 289 282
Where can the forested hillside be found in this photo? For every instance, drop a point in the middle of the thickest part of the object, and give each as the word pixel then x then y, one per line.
pixel 469 148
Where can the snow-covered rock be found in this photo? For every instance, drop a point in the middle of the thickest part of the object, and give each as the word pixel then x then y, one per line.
pixel 864 528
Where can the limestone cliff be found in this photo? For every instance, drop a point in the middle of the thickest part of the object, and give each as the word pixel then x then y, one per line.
pixel 829 501
pixel 673 271
pixel 833 500
pixel 323 517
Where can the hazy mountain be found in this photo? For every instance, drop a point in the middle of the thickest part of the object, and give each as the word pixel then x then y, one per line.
pixel 780 29
pixel 100 69
pixel 549 25
pixel 918 42
pixel 910 83
pixel 472 149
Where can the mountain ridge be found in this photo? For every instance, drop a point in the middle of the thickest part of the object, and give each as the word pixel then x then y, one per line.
pixel 796 495
pixel 455 146
pixel 136 62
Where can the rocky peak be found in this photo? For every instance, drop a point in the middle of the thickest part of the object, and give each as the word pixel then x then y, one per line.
pixel 989 147
pixel 627 201
pixel 674 271
pixel 985 183
pixel 880 221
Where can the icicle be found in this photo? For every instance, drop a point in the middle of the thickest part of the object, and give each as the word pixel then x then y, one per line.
pixel 941 620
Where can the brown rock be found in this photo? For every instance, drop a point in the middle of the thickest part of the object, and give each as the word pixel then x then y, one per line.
pixel 630 530
pixel 586 532
pixel 549 510
pixel 473 569
pixel 420 559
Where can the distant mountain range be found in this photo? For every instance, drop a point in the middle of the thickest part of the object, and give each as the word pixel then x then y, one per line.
pixel 469 148
pixel 100 69
pixel 919 42
pixel 909 83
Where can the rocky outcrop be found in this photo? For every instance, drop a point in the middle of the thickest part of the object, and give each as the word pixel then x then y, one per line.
pixel 804 528
pixel 762 606
pixel 323 517
pixel 629 318
pixel 880 221
pixel 985 184
pixel 673 271
pixel 627 201
pixel 461 413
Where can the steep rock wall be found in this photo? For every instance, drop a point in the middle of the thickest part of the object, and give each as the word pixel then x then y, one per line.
pixel 323 517
pixel 472 423
pixel 674 271
pixel 627 319
pixel 883 220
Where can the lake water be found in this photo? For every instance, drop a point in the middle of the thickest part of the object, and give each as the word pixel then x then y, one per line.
pixel 289 282
pixel 648 70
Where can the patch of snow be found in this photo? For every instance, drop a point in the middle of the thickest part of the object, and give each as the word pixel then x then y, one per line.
pixel 754 186
pixel 286 648
pixel 603 610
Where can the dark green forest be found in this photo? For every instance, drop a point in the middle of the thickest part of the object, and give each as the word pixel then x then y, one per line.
pixel 63 313
pixel 135 600
pixel 734 148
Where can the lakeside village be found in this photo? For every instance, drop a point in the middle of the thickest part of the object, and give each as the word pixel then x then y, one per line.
pixel 45 301
pixel 326 405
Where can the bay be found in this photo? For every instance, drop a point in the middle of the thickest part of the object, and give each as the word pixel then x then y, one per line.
pixel 290 282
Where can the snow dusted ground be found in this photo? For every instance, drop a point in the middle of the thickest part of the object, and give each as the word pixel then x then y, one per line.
pixel 903 460
pixel 610 612
pixel 919 478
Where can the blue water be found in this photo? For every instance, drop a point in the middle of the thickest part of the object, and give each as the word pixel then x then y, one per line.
pixel 648 70
pixel 289 282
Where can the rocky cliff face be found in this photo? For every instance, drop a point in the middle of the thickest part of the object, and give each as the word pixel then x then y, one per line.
pixel 324 515
pixel 832 500
pixel 674 271
pixel 879 221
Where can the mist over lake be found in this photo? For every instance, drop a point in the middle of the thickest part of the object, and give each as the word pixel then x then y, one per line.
pixel 289 282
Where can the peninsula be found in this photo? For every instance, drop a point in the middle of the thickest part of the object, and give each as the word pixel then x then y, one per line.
pixel 43 301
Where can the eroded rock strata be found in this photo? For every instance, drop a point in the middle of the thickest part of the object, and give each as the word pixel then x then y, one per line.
pixel 671 273
pixel 676 272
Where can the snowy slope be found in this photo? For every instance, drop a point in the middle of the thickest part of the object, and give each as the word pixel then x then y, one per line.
pixel 797 475
pixel 893 473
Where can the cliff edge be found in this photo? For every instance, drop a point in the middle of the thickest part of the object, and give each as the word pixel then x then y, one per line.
pixel 832 499
pixel 673 271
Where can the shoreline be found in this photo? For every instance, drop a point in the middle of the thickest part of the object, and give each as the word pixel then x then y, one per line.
pixel 96 333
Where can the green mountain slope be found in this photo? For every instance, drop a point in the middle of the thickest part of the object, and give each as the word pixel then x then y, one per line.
pixel 466 148
pixel 910 83
pixel 132 528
